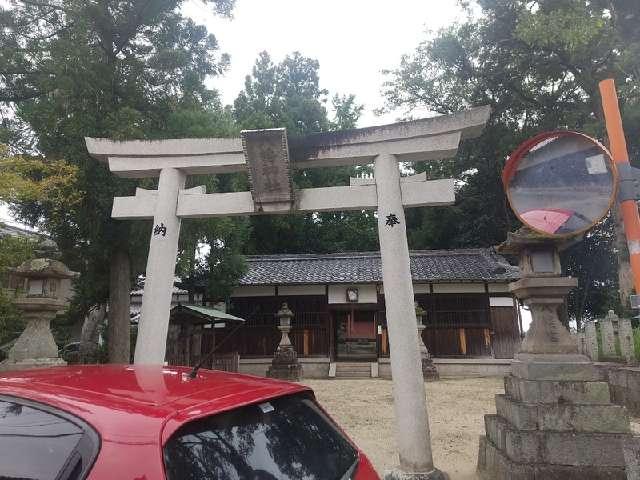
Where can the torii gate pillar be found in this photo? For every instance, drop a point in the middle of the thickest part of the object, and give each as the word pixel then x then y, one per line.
pixel 409 396
pixel 161 265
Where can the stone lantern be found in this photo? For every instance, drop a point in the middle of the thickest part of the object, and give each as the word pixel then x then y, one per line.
pixel 543 289
pixel 43 288
pixel 555 419
pixel 285 363
pixel 429 371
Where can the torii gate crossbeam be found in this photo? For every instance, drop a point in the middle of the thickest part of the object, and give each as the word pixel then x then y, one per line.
pixel 268 156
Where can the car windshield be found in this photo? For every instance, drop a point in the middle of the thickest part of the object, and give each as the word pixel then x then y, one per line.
pixel 285 438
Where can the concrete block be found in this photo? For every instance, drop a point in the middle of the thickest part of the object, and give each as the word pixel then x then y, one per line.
pixel 523 447
pixel 556 448
pixel 556 371
pixel 498 467
pixel 563 417
pixel 495 427
pixel 559 472
pixel 531 391
pixel 482 450
pixel 632 458
pixel 519 415
pixel 584 418
pixel 583 449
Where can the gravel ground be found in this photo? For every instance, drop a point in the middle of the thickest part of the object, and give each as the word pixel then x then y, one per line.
pixel 456 408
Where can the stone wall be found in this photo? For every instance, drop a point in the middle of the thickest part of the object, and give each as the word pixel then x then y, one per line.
pixel 311 367
pixel 615 342
pixel 624 383
pixel 462 367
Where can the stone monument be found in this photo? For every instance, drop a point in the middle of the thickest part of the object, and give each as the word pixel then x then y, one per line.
pixel 591 341
pixel 429 370
pixel 43 293
pixel 556 419
pixel 285 365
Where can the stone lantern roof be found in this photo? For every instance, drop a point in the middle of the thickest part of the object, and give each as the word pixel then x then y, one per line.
pixel 43 268
pixel 526 238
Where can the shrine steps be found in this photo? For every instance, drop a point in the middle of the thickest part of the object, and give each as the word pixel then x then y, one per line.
pixel 352 370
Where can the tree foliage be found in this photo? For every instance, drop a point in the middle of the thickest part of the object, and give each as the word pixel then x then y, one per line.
pixel 114 69
pixel 537 63
pixel 288 94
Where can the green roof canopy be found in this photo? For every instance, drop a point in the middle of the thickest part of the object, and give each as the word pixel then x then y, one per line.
pixel 208 314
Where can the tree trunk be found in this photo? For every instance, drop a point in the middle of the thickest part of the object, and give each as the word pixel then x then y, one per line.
pixel 119 313
pixel 89 335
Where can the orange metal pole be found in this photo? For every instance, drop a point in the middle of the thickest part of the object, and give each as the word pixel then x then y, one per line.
pixel 618 147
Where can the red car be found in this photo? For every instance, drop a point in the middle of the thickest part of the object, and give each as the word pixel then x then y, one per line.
pixel 123 422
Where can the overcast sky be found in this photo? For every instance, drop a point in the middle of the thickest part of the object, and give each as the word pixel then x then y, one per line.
pixel 352 39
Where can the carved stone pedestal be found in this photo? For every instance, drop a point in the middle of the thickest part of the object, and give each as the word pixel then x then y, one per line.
pixel 34 348
pixel 285 366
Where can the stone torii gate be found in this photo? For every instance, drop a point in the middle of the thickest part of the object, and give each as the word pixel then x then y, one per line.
pixel 268 156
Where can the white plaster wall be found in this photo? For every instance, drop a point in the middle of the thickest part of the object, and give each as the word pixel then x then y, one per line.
pixel 501 301
pixel 417 288
pixel 257 291
pixel 366 293
pixel 498 287
pixel 302 290
pixel 421 288
pixel 458 288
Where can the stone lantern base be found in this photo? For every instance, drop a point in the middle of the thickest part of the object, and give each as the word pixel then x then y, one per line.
pixel 429 370
pixel 35 348
pixel 555 421
pixel 285 365
pixel 29 363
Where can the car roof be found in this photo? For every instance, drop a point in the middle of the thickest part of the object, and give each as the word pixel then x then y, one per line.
pixel 111 397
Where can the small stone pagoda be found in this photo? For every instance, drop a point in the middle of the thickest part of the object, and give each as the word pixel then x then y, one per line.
pixel 429 370
pixel 556 419
pixel 285 365
pixel 44 285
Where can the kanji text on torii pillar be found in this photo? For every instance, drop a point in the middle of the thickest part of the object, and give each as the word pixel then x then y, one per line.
pixel 269 156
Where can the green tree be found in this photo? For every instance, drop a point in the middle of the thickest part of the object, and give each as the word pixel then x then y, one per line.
pixel 123 70
pixel 537 63
pixel 288 94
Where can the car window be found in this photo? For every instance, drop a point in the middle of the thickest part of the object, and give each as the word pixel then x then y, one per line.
pixel 37 444
pixel 285 438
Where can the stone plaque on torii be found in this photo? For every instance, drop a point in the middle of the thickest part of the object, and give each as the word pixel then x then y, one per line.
pixel 269 156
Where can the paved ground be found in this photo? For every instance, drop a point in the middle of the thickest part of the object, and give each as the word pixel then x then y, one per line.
pixel 456 409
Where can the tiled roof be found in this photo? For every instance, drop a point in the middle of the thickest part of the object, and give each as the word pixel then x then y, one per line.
pixel 439 266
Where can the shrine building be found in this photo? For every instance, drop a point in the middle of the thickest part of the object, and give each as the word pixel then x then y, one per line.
pixel 339 310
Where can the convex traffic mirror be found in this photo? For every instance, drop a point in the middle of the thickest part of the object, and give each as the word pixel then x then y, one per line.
pixel 560 183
